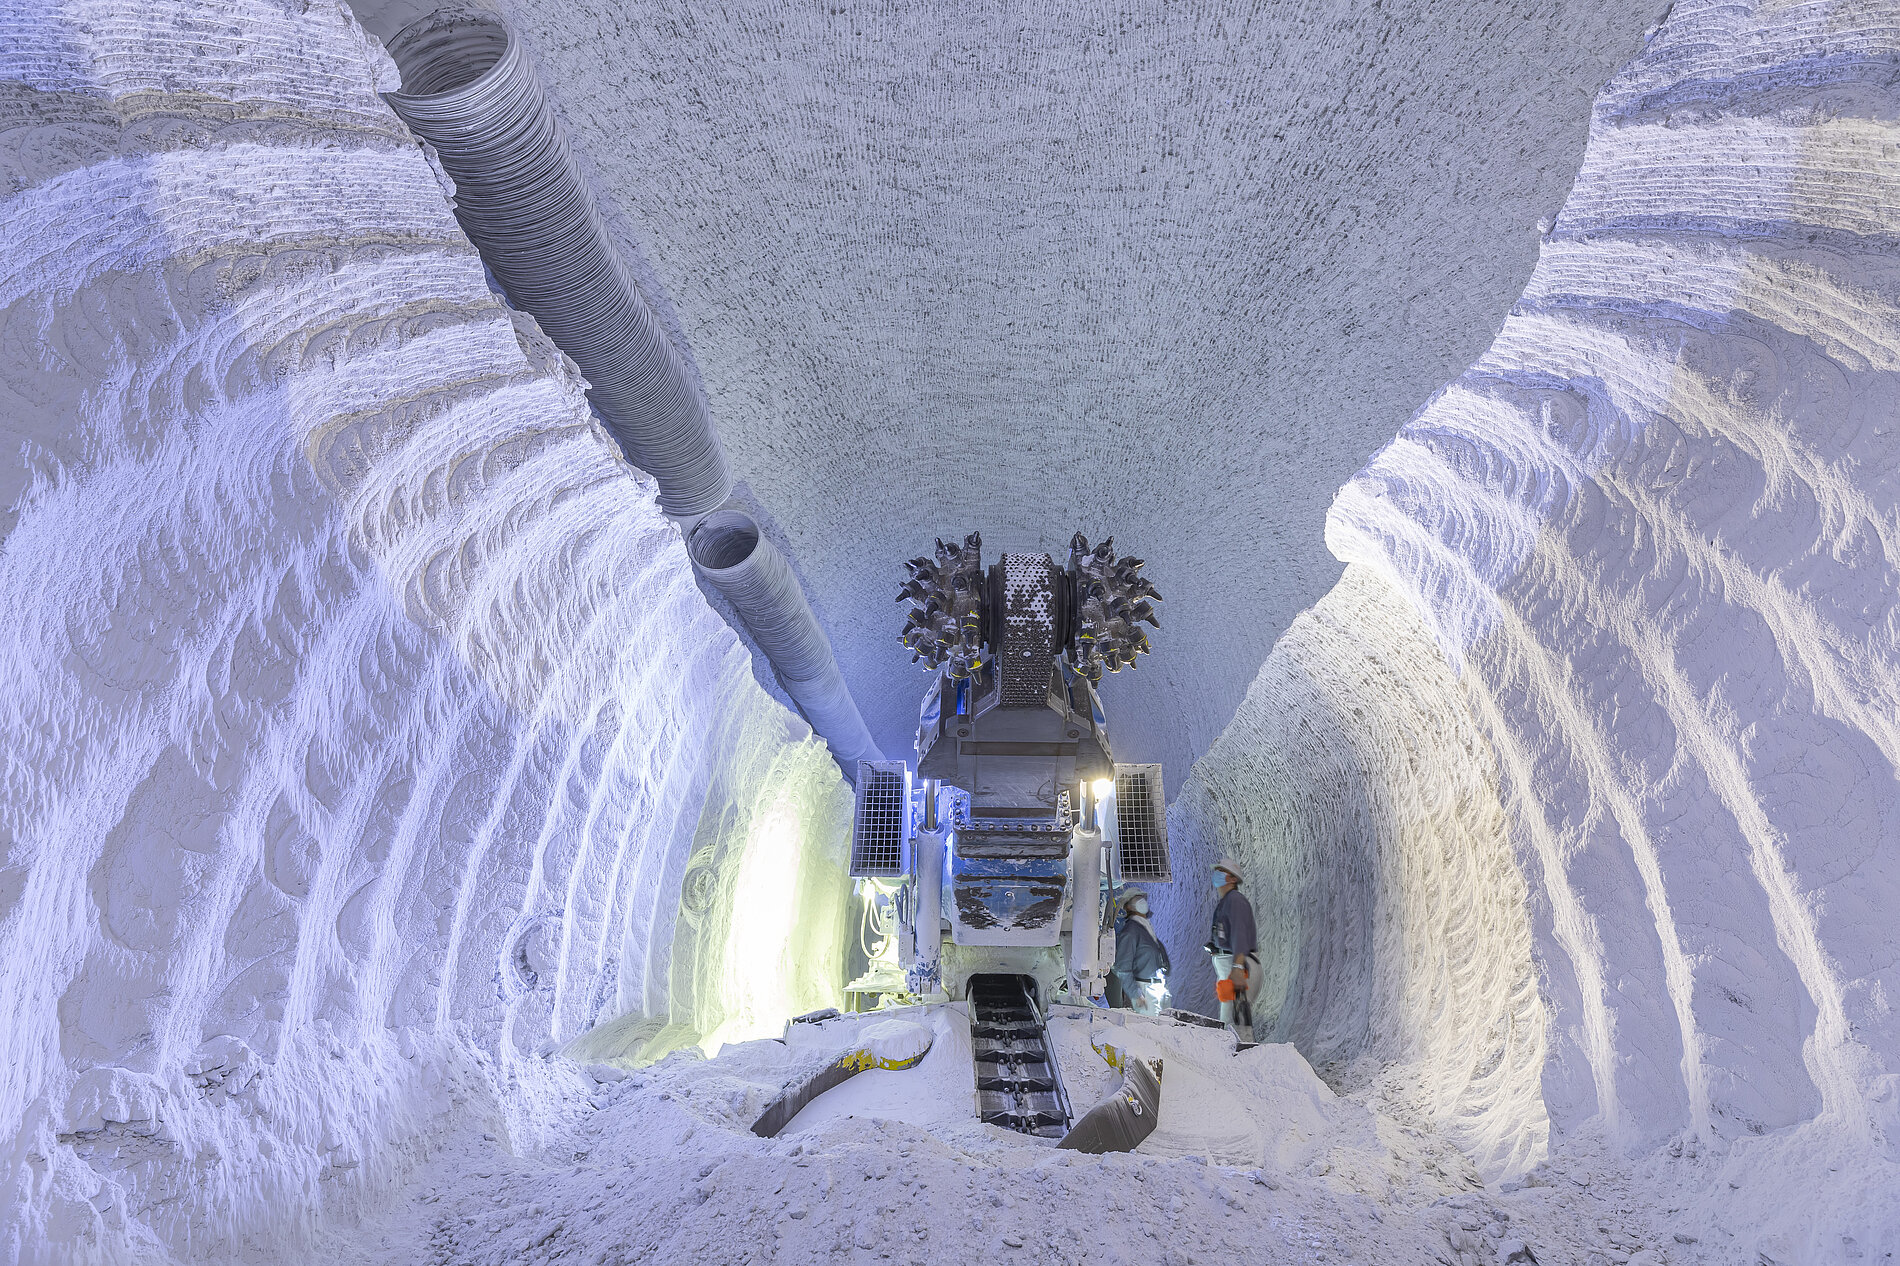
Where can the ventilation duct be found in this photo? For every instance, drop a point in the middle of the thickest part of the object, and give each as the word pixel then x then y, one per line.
pixel 728 550
pixel 469 91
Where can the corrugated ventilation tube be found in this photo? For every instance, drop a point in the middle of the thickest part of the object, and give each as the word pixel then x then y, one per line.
pixel 729 551
pixel 469 91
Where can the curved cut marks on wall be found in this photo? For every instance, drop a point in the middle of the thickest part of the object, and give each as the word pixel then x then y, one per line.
pixel 1643 550
pixel 362 714
pixel 1363 800
pixel 1654 528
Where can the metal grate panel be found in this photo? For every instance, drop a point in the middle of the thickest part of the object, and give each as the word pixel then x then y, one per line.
pixel 881 827
pixel 1141 821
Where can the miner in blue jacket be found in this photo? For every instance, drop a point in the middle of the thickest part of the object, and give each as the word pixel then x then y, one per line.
pixel 1235 948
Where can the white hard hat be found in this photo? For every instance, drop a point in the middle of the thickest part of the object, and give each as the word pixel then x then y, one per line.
pixel 1228 864
pixel 1128 897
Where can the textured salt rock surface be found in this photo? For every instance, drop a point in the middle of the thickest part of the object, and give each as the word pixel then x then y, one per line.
pixel 1362 798
pixel 1169 272
pixel 1651 532
pixel 364 732
pixel 365 736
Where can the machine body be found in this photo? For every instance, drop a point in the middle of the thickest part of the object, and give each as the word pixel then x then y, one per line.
pixel 1004 839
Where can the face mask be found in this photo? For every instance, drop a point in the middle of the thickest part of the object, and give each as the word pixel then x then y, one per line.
pixel 1138 907
pixel 1220 879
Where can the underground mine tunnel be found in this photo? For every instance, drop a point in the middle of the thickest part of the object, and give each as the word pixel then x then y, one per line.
pixel 468 795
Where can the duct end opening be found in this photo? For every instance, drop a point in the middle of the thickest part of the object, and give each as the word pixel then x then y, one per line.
pixel 447 51
pixel 723 540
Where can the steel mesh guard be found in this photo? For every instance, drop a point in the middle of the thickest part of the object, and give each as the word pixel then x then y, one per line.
pixel 1141 819
pixel 882 822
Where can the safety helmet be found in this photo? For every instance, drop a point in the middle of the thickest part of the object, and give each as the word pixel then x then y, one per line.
pixel 1129 897
pixel 1228 864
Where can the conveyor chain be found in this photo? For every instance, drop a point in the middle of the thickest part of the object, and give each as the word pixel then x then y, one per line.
pixel 1015 1078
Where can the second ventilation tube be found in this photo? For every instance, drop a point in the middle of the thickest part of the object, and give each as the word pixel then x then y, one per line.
pixel 754 577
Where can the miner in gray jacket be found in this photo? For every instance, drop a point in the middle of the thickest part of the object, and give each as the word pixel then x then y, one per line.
pixel 1141 961
pixel 1235 950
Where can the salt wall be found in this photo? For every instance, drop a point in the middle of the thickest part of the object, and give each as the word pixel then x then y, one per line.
pixel 1619 636
pixel 365 735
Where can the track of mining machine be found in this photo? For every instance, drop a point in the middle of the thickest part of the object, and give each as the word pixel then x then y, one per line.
pixel 1016 1082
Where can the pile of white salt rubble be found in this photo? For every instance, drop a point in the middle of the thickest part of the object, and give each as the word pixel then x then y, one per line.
pixel 1254 1155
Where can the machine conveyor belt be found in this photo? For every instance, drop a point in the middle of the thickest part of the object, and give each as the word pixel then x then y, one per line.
pixel 1016 1084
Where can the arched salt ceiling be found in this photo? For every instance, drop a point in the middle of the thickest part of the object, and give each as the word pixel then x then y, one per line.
pixel 1167 271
